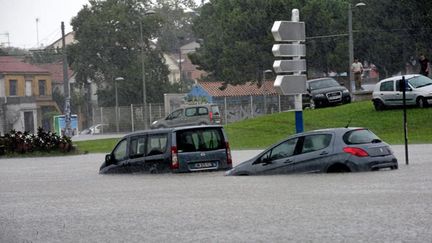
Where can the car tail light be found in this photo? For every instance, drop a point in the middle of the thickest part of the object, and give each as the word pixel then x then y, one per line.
pixel 211 116
pixel 228 151
pixel 356 151
pixel 174 158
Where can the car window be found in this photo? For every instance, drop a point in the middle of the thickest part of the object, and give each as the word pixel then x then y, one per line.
pixel 420 81
pixel 387 86
pixel 137 146
pixel 191 111
pixel 360 136
pixel 283 150
pixel 316 142
pixel 120 151
pixel 202 111
pixel 175 114
pixel 157 144
pixel 200 140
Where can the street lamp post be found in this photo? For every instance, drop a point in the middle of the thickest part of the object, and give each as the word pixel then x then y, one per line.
pixel 351 43
pixel 149 12
pixel 116 102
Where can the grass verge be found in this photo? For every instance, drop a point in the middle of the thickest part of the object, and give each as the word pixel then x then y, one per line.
pixel 263 131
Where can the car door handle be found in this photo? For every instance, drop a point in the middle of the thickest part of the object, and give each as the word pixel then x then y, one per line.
pixel 324 153
pixel 288 161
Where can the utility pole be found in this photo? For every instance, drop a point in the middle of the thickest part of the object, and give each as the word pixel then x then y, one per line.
pixel 37 32
pixel 67 111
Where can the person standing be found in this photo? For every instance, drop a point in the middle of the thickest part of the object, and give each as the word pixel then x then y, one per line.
pixel 357 69
pixel 424 65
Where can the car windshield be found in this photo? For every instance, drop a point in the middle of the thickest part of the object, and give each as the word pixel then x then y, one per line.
pixel 323 83
pixel 420 81
pixel 360 136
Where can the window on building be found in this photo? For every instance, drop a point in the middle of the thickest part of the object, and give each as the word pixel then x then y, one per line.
pixel 12 87
pixel 28 88
pixel 42 87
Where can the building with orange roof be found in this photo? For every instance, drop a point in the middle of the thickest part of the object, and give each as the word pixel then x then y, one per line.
pixel 25 96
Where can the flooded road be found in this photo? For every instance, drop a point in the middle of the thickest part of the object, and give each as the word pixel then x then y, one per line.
pixel 64 199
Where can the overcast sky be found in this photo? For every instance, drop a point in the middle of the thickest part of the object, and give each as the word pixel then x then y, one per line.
pixel 18 18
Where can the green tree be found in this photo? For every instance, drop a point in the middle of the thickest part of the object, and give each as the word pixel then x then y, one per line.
pixel 109 46
pixel 176 29
pixel 236 38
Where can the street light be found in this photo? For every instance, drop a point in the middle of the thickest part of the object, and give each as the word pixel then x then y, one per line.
pixel 351 42
pixel 148 12
pixel 116 101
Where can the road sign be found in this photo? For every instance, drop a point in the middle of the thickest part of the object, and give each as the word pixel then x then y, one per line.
pixel 287 66
pixel 289 50
pixel 290 84
pixel 289 31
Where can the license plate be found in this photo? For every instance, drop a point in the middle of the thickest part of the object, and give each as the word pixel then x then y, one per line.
pixel 204 165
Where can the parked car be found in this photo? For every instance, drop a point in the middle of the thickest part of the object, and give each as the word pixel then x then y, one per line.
pixel 325 92
pixel 183 149
pixel 203 114
pixel 95 129
pixel 388 93
pixel 327 150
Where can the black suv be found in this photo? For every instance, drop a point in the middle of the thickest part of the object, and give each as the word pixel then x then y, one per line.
pixel 325 92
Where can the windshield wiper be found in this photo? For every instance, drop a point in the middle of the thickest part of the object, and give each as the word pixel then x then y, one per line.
pixel 424 85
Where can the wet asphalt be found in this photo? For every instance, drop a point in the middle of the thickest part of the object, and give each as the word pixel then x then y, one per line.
pixel 64 199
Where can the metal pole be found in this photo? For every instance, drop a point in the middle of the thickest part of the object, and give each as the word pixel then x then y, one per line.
pixel 132 118
pixel 404 85
pixel 67 111
pixel 226 110
pixel 116 106
pixel 143 77
pixel 295 17
pixel 279 103
pixel 350 47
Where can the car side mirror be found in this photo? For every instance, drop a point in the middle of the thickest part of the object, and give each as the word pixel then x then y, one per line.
pixel 108 159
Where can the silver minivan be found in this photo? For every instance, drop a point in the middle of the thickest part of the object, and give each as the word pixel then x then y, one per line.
pixel 388 92
pixel 183 149
pixel 189 115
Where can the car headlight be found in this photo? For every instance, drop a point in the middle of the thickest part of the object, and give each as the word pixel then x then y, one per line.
pixel 153 123
pixel 345 91
pixel 319 95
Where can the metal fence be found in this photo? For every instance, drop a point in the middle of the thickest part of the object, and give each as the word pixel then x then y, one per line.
pixel 133 118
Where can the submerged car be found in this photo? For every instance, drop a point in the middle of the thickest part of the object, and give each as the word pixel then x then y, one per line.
pixel 325 92
pixel 327 150
pixel 185 149
pixel 388 92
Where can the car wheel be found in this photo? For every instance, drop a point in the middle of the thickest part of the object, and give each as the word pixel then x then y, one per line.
pixel 379 105
pixel 421 102
pixel 348 100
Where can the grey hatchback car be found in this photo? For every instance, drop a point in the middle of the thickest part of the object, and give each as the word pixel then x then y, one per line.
pixel 184 149
pixel 327 150
pixel 202 114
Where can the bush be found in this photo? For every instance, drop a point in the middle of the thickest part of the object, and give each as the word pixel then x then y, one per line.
pixel 24 142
